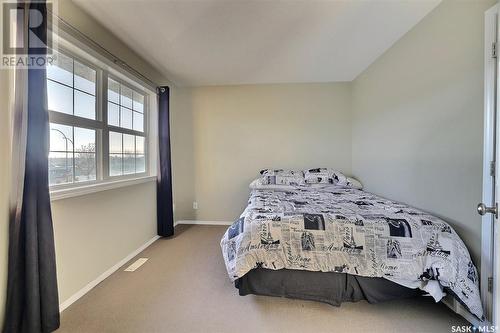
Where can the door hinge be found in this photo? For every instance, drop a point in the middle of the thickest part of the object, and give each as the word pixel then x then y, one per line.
pixel 494 50
pixel 492 168
pixel 490 284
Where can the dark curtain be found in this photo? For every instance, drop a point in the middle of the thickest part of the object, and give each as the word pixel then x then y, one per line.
pixel 32 297
pixel 165 214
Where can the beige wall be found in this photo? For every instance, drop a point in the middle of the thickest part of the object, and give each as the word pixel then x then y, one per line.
pixel 181 137
pixel 238 130
pixel 418 118
pixel 94 232
pixel 4 184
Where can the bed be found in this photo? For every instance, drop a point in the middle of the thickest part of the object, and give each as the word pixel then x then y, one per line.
pixel 331 242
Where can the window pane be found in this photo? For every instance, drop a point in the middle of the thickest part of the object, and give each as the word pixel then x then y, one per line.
pixel 115 164
pixel 61 138
pixel 84 78
pixel 59 97
pixel 61 70
pixel 126 97
pixel 84 140
pixel 113 114
pixel 84 105
pixel 60 168
pixel 128 144
pixel 140 163
pixel 139 145
pixel 138 121
pixel 85 167
pixel 115 142
pixel 126 118
pixel 138 102
pixel 128 163
pixel 113 91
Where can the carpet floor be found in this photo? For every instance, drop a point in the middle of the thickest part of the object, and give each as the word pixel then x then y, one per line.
pixel 183 287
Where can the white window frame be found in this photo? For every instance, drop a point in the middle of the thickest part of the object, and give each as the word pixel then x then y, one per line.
pixel 103 180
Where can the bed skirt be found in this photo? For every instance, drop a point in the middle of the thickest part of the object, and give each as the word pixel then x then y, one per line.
pixel 327 287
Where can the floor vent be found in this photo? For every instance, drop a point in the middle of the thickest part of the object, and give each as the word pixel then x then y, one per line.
pixel 138 263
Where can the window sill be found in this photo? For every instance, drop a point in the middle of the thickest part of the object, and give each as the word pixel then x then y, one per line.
pixel 104 186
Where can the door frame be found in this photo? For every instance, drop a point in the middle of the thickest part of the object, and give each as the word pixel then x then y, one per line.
pixel 489 246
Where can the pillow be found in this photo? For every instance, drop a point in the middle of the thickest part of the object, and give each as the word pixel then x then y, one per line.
pixel 257 184
pixel 354 183
pixel 324 176
pixel 282 177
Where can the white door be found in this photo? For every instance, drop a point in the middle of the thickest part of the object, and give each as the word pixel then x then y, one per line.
pixel 490 288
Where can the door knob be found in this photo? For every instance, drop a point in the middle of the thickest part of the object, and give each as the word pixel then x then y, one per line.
pixel 482 209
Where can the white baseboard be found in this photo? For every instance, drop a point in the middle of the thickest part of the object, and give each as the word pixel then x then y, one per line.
pixel 104 275
pixel 203 222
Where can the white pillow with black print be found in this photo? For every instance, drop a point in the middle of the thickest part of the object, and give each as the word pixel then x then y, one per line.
pixel 354 183
pixel 325 176
pixel 282 177
pixel 257 184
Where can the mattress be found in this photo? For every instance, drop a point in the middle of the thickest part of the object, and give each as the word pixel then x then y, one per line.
pixel 346 230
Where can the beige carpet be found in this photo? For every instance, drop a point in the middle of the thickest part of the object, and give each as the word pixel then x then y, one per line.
pixel 184 288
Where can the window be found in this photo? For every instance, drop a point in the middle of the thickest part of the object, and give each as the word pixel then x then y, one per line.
pixel 126 154
pixel 71 88
pixel 72 156
pixel 98 126
pixel 125 111
pixel 125 107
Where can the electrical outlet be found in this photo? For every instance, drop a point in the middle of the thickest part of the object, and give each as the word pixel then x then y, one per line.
pixel 195 205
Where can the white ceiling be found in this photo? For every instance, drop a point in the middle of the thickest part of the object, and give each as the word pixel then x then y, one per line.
pixel 221 42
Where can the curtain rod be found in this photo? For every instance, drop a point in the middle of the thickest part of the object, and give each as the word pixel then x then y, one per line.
pixel 116 60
